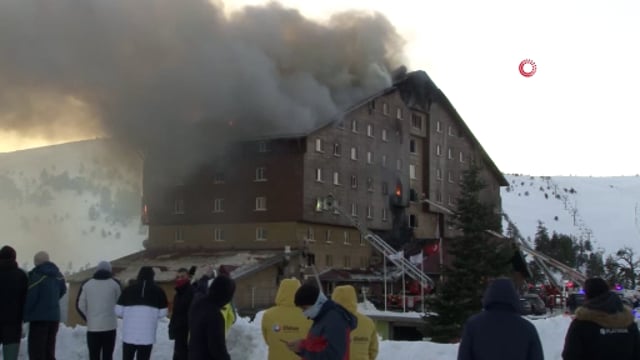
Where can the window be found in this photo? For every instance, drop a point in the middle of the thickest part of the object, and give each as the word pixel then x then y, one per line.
pixel 260 174
pixel 385 188
pixel 439 197
pixel 438 174
pixel 412 172
pixel 370 184
pixel 449 153
pixel 354 181
pixel 218 234
pixel 354 153
pixel 416 121
pixel 347 261
pixel 261 203
pixel 461 157
pixel 383 159
pixel 354 209
pixel 178 206
pixel 218 205
pixel 354 126
pixel 384 214
pixel 461 178
pixel 369 212
pixel 319 174
pixel 438 150
pixel 385 108
pixel 363 262
pixel 336 178
pixel 319 145
pixel 451 131
pixel 327 236
pixel 347 238
pixel 450 176
pixel 362 240
pixel 261 234
pixel 438 126
pixel 451 201
pixel 320 204
pixel 399 113
pixel 399 164
pixel 263 146
pixel 177 235
pixel 369 157
pixel 310 234
pixel 337 150
pixel 412 146
pixel 384 135
pixel 328 260
pixel 218 177
pixel 370 130
pixel 413 221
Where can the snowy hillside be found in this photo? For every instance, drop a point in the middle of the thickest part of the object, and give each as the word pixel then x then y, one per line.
pixel 79 201
pixel 605 210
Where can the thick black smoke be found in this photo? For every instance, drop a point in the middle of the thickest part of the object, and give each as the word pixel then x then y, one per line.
pixel 174 74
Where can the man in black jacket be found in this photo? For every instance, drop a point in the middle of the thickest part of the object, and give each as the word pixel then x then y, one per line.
pixel 603 328
pixel 499 332
pixel 14 285
pixel 206 324
pixel 179 324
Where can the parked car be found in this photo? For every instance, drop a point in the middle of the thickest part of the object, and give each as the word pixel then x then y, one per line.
pixel 538 306
pixel 525 307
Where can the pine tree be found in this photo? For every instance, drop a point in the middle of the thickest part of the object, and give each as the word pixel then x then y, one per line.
pixel 595 265
pixel 476 258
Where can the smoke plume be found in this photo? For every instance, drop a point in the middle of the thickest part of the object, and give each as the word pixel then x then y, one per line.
pixel 178 74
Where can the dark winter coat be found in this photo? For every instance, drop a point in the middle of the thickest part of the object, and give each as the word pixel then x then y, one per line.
pixel 46 287
pixel 179 323
pixel 14 292
pixel 206 324
pixel 499 332
pixel 603 328
pixel 330 335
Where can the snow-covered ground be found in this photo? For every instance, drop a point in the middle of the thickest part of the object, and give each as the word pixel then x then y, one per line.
pixel 245 343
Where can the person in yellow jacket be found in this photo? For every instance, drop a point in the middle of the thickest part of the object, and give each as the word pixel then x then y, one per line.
pixel 364 338
pixel 284 322
pixel 229 315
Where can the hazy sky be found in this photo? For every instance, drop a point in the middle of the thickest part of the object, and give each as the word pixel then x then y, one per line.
pixel 574 116
pixel 577 115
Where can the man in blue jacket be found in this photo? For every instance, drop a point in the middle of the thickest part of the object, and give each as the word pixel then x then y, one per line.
pixel 42 308
pixel 330 333
pixel 499 332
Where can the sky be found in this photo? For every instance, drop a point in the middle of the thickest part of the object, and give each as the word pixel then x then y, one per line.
pixel 574 116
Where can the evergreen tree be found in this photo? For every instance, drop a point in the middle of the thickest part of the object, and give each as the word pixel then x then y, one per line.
pixel 611 270
pixel 542 242
pixel 476 258
pixel 595 265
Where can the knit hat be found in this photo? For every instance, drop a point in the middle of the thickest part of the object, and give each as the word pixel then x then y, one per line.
pixel 307 294
pixel 104 265
pixel 595 287
pixel 221 290
pixel 7 253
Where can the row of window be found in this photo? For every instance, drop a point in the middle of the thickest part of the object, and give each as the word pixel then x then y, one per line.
pixel 370 211
pixel 218 205
pixel 219 234
pixel 329 236
pixel 328 261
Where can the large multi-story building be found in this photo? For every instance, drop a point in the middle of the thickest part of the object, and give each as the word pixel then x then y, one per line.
pixel 379 160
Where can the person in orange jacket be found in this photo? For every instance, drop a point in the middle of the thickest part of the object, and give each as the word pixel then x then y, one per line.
pixel 364 338
pixel 284 322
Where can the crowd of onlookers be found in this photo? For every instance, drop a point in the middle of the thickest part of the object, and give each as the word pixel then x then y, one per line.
pixel 303 324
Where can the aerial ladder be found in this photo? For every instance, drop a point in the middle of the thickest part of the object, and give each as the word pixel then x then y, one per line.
pixel 379 244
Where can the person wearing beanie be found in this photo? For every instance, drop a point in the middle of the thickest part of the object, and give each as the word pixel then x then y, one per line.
pixel 603 328
pixel 330 333
pixel 95 303
pixel 141 306
pixel 499 332
pixel 14 292
pixel 284 322
pixel 42 307
pixel 207 339
pixel 179 323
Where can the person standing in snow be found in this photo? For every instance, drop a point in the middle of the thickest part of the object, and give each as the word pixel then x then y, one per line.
pixel 42 307
pixel 603 328
pixel 141 306
pixel 284 322
pixel 364 338
pixel 499 332
pixel 329 336
pixel 14 285
pixel 179 323
pixel 95 303
pixel 228 311
pixel 207 339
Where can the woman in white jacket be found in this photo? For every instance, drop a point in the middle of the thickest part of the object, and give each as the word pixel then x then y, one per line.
pixel 140 306
pixel 95 303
